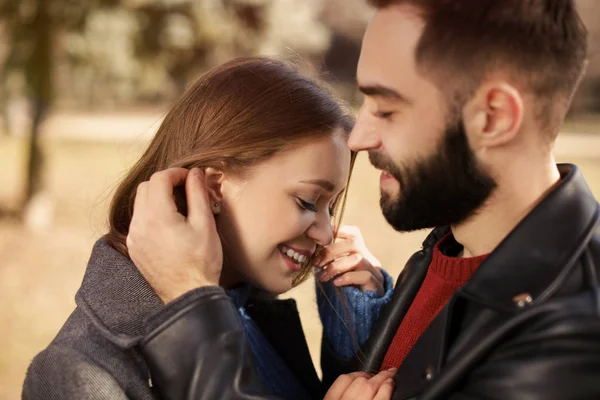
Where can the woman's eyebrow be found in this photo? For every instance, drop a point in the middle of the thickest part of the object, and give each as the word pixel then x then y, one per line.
pixel 324 183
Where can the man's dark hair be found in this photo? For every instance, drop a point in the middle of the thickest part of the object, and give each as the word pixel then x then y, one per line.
pixel 541 44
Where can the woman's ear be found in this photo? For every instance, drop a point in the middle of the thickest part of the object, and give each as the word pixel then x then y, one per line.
pixel 214 179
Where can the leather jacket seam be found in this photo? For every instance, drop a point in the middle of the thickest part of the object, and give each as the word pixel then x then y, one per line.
pixel 567 269
pixel 178 315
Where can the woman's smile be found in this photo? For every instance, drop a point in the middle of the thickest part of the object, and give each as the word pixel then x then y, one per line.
pixel 294 257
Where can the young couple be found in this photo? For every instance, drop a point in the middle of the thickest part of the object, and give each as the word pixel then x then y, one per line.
pixel 233 203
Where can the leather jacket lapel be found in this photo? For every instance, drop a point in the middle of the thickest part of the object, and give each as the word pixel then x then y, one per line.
pixel 538 254
pixel 406 289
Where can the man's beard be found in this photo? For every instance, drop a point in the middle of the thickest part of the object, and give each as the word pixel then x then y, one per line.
pixel 446 188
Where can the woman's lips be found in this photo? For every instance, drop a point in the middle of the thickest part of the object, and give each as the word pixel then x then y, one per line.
pixel 294 258
pixel 292 266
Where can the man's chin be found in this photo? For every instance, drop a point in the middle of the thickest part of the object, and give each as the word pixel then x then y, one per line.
pixel 389 198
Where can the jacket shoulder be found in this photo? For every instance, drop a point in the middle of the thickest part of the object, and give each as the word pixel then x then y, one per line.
pixel 61 372
pixel 554 356
pixel 80 363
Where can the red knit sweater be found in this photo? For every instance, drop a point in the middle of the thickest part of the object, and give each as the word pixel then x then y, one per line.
pixel 445 275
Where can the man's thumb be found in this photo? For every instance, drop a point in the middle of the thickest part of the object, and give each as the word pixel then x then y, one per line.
pixel 197 197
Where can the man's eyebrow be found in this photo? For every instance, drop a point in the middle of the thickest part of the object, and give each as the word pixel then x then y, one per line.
pixel 324 183
pixel 382 91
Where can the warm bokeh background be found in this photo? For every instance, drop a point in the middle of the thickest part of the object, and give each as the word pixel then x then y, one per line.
pixel 103 72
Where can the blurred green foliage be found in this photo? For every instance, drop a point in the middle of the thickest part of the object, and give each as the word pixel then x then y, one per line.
pixel 116 52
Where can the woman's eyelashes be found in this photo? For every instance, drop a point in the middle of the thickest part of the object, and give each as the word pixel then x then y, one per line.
pixel 312 207
pixel 307 205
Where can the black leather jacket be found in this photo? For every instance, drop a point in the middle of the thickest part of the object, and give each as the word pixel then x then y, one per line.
pixel 525 327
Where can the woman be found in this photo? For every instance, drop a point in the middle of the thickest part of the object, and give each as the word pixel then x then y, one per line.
pixel 272 145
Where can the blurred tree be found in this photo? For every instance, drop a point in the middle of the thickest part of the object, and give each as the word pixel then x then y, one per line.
pixel 131 51
pixel 588 97
pixel 30 29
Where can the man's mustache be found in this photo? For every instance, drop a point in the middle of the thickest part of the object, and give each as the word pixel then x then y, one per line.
pixel 381 162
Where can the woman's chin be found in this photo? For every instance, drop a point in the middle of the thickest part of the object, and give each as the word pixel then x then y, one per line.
pixel 276 288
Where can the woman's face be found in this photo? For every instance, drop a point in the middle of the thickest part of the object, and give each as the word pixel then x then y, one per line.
pixel 277 214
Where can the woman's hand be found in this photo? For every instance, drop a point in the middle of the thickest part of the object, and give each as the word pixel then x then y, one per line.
pixel 349 261
pixel 363 386
pixel 173 253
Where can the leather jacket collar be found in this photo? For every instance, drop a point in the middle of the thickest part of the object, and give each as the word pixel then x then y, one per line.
pixel 531 261
pixel 540 252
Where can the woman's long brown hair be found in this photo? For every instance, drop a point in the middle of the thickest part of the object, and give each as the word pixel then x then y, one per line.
pixel 234 117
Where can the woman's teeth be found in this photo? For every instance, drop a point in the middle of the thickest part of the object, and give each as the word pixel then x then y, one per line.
pixel 295 256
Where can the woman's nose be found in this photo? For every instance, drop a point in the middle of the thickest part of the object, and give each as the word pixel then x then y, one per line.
pixel 321 231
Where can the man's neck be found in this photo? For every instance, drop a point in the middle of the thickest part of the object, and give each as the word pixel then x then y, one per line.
pixel 518 192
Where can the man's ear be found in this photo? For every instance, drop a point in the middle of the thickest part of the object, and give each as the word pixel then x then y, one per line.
pixel 214 179
pixel 494 115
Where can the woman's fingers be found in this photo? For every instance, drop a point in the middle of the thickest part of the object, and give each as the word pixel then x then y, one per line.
pixel 364 279
pixel 385 390
pixel 385 381
pixel 349 232
pixel 333 251
pixel 342 383
pixel 367 388
pixel 381 377
pixel 340 266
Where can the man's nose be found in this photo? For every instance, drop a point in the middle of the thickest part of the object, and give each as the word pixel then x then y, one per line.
pixel 364 134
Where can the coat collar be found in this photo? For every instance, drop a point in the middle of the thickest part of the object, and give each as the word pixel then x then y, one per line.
pixel 115 296
pixel 537 255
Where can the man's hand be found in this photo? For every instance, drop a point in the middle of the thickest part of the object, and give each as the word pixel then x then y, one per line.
pixel 350 262
pixel 362 386
pixel 175 254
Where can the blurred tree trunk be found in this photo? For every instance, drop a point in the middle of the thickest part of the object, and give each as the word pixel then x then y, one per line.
pixel 38 73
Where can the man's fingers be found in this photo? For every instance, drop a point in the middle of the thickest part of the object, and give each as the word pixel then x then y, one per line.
pixel 198 203
pixel 333 251
pixel 341 384
pixel 139 212
pixel 161 185
pixel 141 198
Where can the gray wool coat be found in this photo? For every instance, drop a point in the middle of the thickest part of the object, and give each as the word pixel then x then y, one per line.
pixel 95 354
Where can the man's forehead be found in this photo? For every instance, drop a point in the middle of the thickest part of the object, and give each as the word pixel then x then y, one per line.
pixel 391 37
pixel 388 49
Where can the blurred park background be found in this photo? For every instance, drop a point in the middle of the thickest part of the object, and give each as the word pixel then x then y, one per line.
pixel 83 86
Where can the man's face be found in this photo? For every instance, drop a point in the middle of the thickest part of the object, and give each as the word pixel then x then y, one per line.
pixel 430 175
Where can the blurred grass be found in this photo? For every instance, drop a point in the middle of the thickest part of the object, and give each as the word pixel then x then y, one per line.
pixel 40 271
pixel 583 124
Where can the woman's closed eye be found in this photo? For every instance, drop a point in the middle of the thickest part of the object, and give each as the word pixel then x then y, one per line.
pixel 306 205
